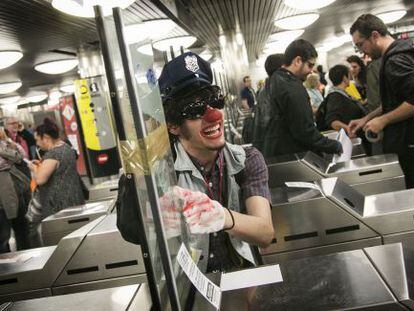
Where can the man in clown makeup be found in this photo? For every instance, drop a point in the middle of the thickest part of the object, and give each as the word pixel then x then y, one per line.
pixel 224 187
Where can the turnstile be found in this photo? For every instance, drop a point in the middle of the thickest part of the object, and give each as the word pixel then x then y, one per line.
pixel 358 150
pixel 390 214
pixel 131 298
pixel 92 257
pixel 58 225
pixel 307 223
pixel 370 175
pixel 103 191
pixel 336 217
pixel 343 281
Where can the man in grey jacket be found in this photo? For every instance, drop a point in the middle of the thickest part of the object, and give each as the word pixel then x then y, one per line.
pixel 291 128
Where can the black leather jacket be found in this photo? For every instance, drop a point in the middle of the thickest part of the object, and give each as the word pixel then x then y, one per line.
pixel 291 128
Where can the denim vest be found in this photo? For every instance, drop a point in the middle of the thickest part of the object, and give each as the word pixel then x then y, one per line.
pixel 190 177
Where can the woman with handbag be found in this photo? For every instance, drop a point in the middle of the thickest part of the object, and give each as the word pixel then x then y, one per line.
pixel 58 184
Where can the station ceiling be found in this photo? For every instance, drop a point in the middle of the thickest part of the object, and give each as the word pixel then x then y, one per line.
pixel 43 33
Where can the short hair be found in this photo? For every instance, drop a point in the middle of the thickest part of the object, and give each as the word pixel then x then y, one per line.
pixel 362 76
pixel 245 78
pixel 367 23
pixel 301 48
pixel 312 81
pixel 273 62
pixel 337 73
pixel 319 68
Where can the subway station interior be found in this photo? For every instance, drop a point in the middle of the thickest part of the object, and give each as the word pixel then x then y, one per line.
pixel 206 155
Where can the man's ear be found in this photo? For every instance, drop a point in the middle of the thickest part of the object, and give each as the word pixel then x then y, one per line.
pixel 173 129
pixel 297 61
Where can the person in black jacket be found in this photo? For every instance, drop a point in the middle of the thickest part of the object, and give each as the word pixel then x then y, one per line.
pixel 340 107
pixel 395 116
pixel 262 113
pixel 291 128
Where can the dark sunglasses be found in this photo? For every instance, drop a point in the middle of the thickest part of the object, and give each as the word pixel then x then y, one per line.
pixel 198 108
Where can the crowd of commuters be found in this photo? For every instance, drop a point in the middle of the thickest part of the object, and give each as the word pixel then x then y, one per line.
pixel 33 188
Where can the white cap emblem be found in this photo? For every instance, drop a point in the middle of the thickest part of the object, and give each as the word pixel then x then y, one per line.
pixel 191 63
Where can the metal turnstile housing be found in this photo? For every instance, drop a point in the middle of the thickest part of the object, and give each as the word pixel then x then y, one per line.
pixel 58 225
pixel 307 223
pixel 370 175
pixel 358 150
pixel 103 191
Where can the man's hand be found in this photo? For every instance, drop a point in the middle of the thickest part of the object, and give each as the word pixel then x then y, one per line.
pixel 355 125
pixel 376 125
pixel 202 214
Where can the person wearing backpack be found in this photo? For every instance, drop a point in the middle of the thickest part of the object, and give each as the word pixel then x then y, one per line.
pixel 340 107
pixel 291 127
pixel 224 187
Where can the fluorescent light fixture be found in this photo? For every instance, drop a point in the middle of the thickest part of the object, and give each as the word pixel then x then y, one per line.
pixel 222 40
pixel 275 47
pixel 84 8
pixel 145 49
pixel 334 42
pixel 57 66
pixel 54 95
pixel 36 97
pixel 9 100
pixel 391 16
pixel 8 58
pixel 308 4
pixel 176 43
pixel 297 21
pixel 151 29
pixel 69 88
pixel 206 55
pixel 239 38
pixel 9 87
pixel 285 36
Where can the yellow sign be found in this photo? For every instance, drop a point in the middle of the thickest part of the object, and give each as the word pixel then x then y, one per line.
pixel 86 114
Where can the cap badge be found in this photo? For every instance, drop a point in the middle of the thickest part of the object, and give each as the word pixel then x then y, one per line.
pixel 191 63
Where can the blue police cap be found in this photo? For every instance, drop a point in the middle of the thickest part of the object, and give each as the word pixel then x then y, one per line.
pixel 185 72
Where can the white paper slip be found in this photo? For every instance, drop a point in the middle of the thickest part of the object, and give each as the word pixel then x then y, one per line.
pixel 208 289
pixel 309 185
pixel 251 277
pixel 346 147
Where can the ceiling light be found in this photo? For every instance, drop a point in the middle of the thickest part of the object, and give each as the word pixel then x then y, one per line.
pixel 176 43
pixel 297 21
pixel 206 55
pixel 9 87
pixel 69 88
pixel 37 97
pixel 151 29
pixel 391 16
pixel 239 38
pixel 57 66
pixel 8 58
pixel 308 5
pixel 9 100
pixel 145 49
pixel 84 8
pixel 275 47
pixel 285 36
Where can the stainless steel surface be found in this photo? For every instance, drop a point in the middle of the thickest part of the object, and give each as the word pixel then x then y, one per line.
pixel 370 175
pixel 56 226
pixel 320 250
pixel 386 213
pixel 395 263
pixel 37 269
pixel 358 150
pixel 343 281
pixel 406 238
pixel 308 223
pixel 103 256
pixel 103 191
pixel 132 297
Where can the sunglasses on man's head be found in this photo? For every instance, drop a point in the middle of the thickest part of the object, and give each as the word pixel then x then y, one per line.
pixel 198 108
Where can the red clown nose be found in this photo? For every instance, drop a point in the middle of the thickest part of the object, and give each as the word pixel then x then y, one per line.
pixel 212 115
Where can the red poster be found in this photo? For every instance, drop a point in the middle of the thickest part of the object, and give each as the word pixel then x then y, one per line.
pixel 71 128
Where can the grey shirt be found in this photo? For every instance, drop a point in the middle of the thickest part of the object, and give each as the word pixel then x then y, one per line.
pixel 373 95
pixel 63 189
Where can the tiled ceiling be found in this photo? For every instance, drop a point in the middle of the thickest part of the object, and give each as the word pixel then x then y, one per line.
pixel 43 33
